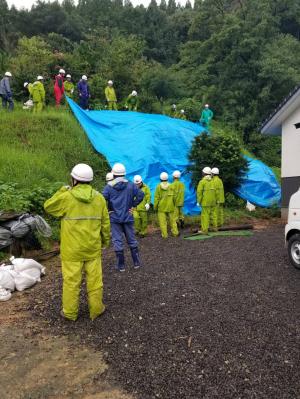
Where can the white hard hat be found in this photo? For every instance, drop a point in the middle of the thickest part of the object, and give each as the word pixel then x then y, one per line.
pixel 134 93
pixel 8 74
pixel 215 171
pixel 206 170
pixel 119 169
pixel 61 71
pixel 82 172
pixel 109 176
pixel 26 84
pixel 182 111
pixel 137 179
pixel 110 82
pixel 206 105
pixel 164 176
pixel 68 76
pixel 84 77
pixel 39 77
pixel 176 174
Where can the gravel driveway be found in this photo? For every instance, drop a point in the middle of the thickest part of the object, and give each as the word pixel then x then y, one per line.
pixel 202 319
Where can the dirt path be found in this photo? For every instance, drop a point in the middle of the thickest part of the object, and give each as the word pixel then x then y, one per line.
pixel 202 320
pixel 35 364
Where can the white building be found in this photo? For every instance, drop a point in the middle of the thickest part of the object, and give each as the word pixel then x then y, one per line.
pixel 285 121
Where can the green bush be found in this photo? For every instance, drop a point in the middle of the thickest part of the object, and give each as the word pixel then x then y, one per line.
pixel 223 152
pixel 266 148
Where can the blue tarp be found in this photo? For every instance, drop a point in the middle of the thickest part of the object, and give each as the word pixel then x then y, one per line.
pixel 148 144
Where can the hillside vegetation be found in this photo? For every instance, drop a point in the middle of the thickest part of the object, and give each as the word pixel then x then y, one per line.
pixel 44 147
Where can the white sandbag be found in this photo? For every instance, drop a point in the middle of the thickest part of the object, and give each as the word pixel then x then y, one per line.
pixel 5 295
pixel 250 207
pixel 6 279
pixel 22 264
pixel 24 280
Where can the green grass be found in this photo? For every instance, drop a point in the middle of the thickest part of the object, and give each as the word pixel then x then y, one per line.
pixel 44 147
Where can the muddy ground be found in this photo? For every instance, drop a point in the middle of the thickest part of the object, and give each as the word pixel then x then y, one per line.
pixel 202 319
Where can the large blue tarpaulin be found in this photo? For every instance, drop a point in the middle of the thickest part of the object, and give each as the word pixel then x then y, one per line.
pixel 148 144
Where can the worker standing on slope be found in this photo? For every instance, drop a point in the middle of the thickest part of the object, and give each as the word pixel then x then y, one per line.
pixel 69 86
pixel 122 196
pixel 38 94
pixel 6 93
pixel 85 229
pixel 83 92
pixel 173 111
pixel 179 189
pixel 140 213
pixel 59 88
pixel 206 197
pixel 110 96
pixel 164 204
pixel 206 116
pixel 219 196
pixel 182 115
pixel 132 101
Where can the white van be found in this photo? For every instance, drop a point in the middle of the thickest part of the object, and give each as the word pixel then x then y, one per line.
pixel 292 230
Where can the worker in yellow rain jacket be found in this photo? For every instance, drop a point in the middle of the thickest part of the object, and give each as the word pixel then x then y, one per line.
pixel 110 96
pixel 38 94
pixel 220 196
pixel 132 101
pixel 85 229
pixel 69 86
pixel 140 213
pixel 179 189
pixel 181 115
pixel 206 198
pixel 164 204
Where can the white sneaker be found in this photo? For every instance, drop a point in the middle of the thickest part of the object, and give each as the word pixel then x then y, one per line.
pixel 5 295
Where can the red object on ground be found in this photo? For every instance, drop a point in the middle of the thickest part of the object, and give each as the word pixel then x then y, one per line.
pixel 58 89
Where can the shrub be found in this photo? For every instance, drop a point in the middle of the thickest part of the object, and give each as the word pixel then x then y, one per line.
pixel 223 152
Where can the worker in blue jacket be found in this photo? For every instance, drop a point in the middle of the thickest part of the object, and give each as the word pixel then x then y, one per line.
pixel 122 196
pixel 5 92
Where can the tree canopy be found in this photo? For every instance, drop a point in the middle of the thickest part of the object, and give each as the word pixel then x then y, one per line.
pixel 241 56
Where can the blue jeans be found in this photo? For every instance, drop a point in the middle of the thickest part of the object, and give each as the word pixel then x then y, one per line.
pixel 84 102
pixel 118 230
pixel 6 100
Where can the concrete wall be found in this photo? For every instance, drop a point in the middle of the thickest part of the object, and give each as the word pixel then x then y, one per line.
pixel 290 162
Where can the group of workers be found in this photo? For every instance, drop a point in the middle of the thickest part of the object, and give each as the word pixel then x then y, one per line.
pixel 63 85
pixel 89 219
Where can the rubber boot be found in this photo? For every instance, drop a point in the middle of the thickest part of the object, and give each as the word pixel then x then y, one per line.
pixel 181 224
pixel 135 257
pixel 120 261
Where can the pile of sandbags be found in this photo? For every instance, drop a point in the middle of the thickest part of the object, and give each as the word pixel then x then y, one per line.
pixel 22 273
pixel 20 226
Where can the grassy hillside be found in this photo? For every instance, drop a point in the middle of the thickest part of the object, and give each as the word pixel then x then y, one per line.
pixel 44 147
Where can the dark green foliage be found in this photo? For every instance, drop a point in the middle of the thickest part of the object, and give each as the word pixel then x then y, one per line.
pixel 266 148
pixel 223 152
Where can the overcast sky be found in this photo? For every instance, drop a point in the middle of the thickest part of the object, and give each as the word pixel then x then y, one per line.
pixel 28 3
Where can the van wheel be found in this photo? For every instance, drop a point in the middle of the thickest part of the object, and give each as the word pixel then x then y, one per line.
pixel 294 250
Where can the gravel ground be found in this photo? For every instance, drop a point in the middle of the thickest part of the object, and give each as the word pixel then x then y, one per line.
pixel 202 319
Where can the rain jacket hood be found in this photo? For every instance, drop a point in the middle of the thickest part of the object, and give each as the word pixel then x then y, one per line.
pixel 164 185
pixel 83 193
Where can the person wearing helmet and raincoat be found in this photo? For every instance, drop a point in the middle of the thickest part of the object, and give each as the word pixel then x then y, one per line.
pixel 110 96
pixel 132 101
pixel 83 92
pixel 122 196
pixel 220 196
pixel 140 213
pixel 179 189
pixel 181 115
pixel 38 94
pixel 164 204
pixel 85 230
pixel 59 88
pixel 6 93
pixel 206 198
pixel 69 86
pixel 206 116
pixel 29 103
